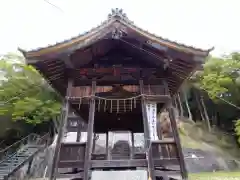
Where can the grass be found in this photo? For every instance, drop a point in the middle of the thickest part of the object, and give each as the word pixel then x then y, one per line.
pixel 215 176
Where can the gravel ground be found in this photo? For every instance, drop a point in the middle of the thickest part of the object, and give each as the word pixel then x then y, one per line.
pixel 203 161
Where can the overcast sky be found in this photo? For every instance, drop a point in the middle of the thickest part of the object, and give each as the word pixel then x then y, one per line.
pixel 202 23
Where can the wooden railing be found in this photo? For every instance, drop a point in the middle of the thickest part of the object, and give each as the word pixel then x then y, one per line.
pixel 164 153
pixel 72 124
pixel 75 123
pixel 72 155
pixel 154 90
pixel 164 149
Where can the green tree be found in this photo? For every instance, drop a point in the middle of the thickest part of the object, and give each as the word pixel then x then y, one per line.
pixel 24 94
pixel 220 78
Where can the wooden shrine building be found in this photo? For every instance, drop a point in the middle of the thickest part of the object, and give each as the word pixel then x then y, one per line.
pixel 116 78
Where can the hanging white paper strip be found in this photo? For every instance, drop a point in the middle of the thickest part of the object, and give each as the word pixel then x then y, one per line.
pixel 152 119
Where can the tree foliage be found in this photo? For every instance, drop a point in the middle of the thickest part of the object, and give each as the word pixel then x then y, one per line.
pixel 24 94
pixel 220 78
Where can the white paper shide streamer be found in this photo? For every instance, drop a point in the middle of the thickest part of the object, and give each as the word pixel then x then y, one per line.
pixel 152 119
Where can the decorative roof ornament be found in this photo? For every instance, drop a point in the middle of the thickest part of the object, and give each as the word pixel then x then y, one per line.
pixel 117 34
pixel 118 13
pixel 166 63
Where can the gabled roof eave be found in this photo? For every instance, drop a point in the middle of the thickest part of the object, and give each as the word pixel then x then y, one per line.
pixel 169 43
pixel 112 19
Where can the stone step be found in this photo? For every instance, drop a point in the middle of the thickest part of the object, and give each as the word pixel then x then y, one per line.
pixel 10 164
pixel 119 175
pixel 48 179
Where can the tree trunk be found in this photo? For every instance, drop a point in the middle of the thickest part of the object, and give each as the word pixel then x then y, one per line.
pixel 199 105
pixel 176 104
pixel 180 104
pixel 175 101
pixel 206 114
pixel 187 105
pixel 55 124
pixel 214 115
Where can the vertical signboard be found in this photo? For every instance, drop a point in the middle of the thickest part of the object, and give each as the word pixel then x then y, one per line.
pixel 152 119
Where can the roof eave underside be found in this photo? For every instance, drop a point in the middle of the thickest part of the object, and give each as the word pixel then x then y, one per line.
pixel 105 25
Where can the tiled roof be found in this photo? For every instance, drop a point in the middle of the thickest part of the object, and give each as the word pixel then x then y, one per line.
pixel 117 15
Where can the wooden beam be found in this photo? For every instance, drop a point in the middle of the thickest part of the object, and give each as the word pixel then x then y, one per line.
pixel 199 59
pixel 71 164
pixel 67 60
pixel 78 175
pixel 144 50
pixel 116 71
pixel 62 127
pixel 119 163
pixel 132 163
pixel 175 54
pixel 87 82
pixel 89 144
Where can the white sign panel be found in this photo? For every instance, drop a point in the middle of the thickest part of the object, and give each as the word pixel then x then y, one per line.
pixel 152 119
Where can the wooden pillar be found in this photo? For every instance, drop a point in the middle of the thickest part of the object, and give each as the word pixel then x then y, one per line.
pixel 147 143
pixel 177 141
pixel 78 132
pixel 61 131
pixel 107 146
pixel 88 151
pixel 144 114
pixel 94 142
pixel 79 129
pixel 132 149
pixel 172 118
